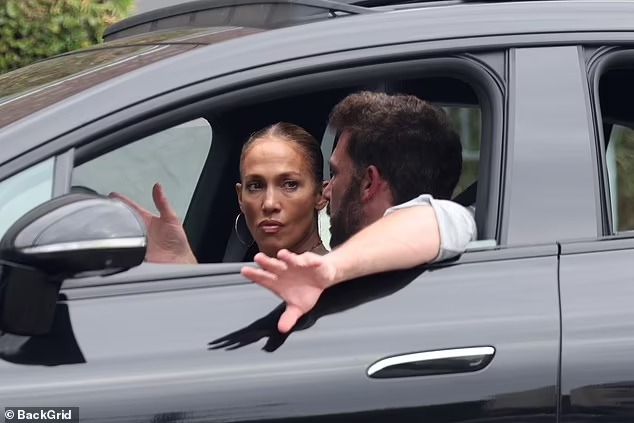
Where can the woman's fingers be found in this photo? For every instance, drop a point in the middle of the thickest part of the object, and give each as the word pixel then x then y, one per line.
pixel 128 201
pixel 162 204
pixel 145 215
pixel 160 201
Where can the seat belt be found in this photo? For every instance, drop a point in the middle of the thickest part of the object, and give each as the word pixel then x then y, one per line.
pixel 327 145
pixel 467 197
pixel 236 250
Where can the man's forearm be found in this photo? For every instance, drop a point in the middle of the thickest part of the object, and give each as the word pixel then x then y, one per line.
pixel 400 240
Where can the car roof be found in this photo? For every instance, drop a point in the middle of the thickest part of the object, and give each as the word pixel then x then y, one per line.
pixel 258 13
pixel 473 21
pixel 267 14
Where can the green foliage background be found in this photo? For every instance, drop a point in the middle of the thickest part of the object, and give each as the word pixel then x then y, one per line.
pixel 35 29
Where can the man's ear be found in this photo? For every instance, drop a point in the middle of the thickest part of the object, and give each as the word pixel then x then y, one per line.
pixel 321 201
pixel 371 183
pixel 239 193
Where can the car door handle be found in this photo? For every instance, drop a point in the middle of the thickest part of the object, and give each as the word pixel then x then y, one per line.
pixel 428 363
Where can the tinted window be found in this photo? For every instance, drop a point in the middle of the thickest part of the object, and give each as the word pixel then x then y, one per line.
pixel 175 158
pixel 620 166
pixel 25 191
pixel 466 122
pixel 616 87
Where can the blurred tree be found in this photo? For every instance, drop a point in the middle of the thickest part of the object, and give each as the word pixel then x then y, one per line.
pixel 35 29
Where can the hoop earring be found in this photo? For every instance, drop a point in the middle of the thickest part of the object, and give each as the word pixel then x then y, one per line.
pixel 235 226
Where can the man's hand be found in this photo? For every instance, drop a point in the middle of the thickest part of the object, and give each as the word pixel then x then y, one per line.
pixel 299 280
pixel 167 240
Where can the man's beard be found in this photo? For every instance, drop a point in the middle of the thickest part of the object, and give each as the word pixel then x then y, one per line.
pixel 347 221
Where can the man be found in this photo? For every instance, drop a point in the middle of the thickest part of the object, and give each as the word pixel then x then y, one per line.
pixel 394 170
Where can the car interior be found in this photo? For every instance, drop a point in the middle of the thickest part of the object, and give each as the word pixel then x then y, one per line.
pixel 213 207
pixel 311 112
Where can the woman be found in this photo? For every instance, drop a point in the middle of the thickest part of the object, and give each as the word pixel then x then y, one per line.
pixel 279 193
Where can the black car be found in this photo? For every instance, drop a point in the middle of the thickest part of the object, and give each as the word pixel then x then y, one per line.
pixel 534 323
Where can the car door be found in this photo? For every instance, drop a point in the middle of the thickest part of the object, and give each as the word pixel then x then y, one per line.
pixel 475 339
pixel 596 286
pixel 596 293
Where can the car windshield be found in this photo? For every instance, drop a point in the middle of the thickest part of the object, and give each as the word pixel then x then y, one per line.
pixel 41 84
pixel 59 67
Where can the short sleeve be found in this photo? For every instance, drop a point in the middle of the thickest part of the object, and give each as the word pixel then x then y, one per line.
pixel 456 224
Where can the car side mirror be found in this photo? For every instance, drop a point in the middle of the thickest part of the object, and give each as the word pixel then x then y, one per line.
pixel 70 236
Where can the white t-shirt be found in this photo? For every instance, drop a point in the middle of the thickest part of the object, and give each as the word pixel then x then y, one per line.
pixel 456 224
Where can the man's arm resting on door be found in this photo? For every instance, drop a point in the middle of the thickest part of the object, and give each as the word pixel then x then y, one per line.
pixel 421 231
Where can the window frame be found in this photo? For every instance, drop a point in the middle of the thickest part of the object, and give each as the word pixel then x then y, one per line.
pixel 482 79
pixel 477 75
pixel 16 194
pixel 303 74
pixel 61 173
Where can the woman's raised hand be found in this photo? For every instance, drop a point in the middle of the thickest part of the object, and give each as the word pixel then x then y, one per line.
pixel 167 240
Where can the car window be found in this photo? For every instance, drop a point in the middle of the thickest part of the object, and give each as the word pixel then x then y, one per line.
pixel 620 167
pixel 466 122
pixel 25 191
pixel 174 158
pixel 616 87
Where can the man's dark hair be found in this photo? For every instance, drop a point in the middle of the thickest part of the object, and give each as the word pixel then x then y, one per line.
pixel 410 141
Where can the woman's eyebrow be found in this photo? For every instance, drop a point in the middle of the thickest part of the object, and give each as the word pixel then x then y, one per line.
pixel 286 174
pixel 290 173
pixel 252 175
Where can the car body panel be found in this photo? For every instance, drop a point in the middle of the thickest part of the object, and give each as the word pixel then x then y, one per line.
pixel 550 148
pixel 144 355
pixel 597 375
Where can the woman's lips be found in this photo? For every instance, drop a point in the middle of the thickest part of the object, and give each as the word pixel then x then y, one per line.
pixel 270 227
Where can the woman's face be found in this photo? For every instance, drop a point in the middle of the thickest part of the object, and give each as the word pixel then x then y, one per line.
pixel 278 195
